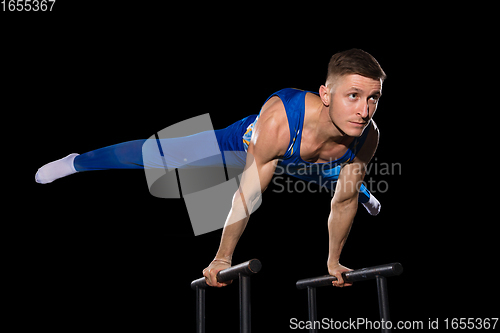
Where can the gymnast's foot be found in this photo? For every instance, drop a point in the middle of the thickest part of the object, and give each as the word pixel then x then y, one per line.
pixel 55 170
pixel 372 205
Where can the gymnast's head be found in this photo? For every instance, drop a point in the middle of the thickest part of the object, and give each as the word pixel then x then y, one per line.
pixel 352 90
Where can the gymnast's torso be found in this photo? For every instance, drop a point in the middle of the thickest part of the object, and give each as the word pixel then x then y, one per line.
pixel 307 158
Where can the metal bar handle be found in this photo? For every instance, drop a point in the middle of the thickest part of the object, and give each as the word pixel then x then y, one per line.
pixel 353 276
pixel 246 268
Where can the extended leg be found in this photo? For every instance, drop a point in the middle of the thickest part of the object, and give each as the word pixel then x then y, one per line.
pixel 183 152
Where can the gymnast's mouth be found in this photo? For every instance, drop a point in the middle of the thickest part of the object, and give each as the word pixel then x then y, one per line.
pixel 357 124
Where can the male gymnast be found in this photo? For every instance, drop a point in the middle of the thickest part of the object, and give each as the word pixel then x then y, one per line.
pixel 295 130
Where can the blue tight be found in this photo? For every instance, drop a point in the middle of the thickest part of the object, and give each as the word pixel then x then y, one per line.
pixel 198 150
pixel 127 155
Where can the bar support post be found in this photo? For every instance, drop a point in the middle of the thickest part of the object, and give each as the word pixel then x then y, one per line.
pixel 200 310
pixel 245 310
pixel 383 301
pixel 311 305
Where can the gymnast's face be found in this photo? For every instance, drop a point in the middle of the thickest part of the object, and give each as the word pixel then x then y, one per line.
pixel 352 102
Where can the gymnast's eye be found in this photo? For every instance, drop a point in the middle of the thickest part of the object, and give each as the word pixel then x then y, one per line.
pixel 374 99
pixel 353 96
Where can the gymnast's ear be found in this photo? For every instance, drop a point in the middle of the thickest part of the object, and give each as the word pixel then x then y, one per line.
pixel 324 93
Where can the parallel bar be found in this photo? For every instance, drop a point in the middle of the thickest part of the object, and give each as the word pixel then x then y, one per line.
pixel 245 309
pixel 246 268
pixel 243 272
pixel 383 301
pixel 353 276
pixel 311 306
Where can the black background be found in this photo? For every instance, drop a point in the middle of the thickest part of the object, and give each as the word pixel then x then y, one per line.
pixel 97 251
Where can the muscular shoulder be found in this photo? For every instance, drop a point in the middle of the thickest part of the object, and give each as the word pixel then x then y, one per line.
pixel 271 133
pixel 371 143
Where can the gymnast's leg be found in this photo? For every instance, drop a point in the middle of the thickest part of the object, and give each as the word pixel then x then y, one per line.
pixel 199 150
pixel 184 152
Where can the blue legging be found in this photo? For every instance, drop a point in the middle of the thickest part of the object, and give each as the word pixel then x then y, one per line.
pixel 201 149
pixel 185 152
pixel 126 155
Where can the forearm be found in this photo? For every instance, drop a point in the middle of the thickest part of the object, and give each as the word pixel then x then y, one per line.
pixel 236 222
pixel 339 224
pixel 230 237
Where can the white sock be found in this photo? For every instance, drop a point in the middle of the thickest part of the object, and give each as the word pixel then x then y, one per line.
pixel 372 205
pixel 55 170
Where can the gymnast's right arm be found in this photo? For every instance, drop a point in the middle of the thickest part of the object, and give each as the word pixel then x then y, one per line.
pixel 269 141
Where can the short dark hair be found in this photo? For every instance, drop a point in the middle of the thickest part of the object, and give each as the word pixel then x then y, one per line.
pixel 354 61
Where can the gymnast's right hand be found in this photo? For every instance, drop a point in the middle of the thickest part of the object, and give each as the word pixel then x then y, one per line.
pixel 210 273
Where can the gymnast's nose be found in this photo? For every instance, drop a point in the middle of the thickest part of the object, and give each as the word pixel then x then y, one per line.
pixel 364 111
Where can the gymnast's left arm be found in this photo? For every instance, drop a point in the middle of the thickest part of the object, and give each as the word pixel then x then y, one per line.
pixel 344 205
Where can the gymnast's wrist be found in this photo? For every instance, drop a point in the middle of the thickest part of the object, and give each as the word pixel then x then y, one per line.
pixel 333 261
pixel 221 258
